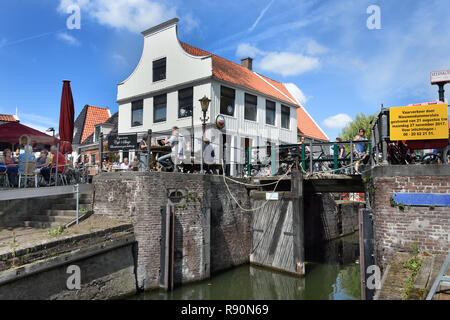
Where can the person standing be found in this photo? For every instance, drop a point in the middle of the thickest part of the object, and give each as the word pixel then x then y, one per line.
pixel 360 148
pixel 208 155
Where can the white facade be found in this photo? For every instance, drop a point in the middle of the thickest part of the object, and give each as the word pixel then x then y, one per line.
pixel 182 71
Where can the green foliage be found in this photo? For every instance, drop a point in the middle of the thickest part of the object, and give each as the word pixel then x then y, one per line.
pixel 392 201
pixel 414 265
pixel 56 232
pixel 352 129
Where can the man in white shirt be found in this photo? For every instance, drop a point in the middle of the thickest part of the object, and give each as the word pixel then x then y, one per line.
pixel 177 144
pixel 125 165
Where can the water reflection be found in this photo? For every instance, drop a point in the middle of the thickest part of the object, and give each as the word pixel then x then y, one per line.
pixel 335 276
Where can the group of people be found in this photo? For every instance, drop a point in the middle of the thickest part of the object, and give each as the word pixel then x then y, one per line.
pixel 359 149
pixel 45 164
pixel 108 166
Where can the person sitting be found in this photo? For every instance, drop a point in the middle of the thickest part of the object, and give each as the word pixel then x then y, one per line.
pixel 134 165
pixel 10 167
pixel 106 165
pixel 177 145
pixel 42 161
pixel 26 156
pixel 125 165
pixel 47 171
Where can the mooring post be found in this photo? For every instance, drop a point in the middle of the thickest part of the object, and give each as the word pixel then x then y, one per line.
pixel 298 222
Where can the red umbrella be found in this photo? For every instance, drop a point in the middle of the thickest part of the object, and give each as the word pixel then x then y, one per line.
pixel 12 131
pixel 66 119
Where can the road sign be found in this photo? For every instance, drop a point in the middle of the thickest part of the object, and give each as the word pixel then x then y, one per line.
pixel 421 122
pixel 440 76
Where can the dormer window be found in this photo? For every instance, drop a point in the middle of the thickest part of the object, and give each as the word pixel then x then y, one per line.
pixel 97 133
pixel 159 69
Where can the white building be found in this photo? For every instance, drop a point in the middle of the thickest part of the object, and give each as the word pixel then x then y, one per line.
pixel 172 76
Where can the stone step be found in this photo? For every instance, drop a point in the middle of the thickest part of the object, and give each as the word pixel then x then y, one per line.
pixel 60 219
pixel 41 224
pixel 64 206
pixel 71 213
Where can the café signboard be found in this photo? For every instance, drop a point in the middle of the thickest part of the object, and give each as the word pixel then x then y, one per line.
pixel 122 142
pixel 419 122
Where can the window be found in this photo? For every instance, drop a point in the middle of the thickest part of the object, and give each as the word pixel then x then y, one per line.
pixel 159 69
pixel 92 160
pixel 270 112
pixel 285 117
pixel 159 108
pixel 250 107
pixel 227 96
pixel 97 134
pixel 185 102
pixel 137 110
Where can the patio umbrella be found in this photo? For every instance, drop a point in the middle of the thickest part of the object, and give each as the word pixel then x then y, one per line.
pixel 11 133
pixel 66 119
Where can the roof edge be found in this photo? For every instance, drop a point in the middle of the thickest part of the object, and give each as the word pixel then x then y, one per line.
pixel 160 26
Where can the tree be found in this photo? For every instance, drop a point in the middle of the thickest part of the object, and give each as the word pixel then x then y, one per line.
pixel 361 122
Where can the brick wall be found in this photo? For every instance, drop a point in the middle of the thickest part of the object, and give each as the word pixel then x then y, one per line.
pixel 211 232
pixel 396 229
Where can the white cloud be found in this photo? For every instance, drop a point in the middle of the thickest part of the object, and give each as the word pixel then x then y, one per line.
pixel 314 48
pixel 38 127
pixel 119 59
pixel 133 15
pixel 41 120
pixel 296 93
pixel 338 121
pixel 247 50
pixel 288 64
pixel 67 38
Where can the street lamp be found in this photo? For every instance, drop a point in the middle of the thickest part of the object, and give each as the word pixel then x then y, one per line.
pixel 204 102
pixel 51 130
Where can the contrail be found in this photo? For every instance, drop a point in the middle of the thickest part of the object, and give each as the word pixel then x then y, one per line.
pixel 261 15
pixel 7 44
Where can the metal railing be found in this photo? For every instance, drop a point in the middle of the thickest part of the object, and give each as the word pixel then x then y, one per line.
pixel 313 160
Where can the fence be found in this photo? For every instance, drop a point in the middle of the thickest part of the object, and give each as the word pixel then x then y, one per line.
pixel 326 161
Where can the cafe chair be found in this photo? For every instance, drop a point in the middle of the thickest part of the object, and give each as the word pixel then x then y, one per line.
pixel 29 175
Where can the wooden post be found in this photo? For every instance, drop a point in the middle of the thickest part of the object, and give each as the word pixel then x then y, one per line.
pixel 298 222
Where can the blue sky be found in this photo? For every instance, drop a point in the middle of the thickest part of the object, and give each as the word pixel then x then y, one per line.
pixel 321 48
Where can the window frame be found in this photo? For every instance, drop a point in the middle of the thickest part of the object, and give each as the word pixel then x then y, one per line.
pixel 250 104
pixel 187 106
pixel 154 69
pixel 283 107
pixel 155 107
pixel 274 112
pixel 228 97
pixel 135 107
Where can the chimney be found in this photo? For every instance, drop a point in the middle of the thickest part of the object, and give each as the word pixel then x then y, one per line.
pixel 247 62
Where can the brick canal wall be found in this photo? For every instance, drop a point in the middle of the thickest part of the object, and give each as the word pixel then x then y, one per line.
pixel 211 232
pixel 397 229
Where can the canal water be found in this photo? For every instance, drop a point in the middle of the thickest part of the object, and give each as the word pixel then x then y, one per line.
pixel 333 274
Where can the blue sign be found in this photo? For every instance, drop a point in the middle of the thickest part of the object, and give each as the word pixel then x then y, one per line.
pixel 423 199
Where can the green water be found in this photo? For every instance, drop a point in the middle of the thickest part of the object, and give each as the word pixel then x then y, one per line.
pixel 333 276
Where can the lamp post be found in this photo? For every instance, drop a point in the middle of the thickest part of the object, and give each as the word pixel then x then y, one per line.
pixel 51 130
pixel 204 102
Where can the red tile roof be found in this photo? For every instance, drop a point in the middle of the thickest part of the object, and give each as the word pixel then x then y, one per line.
pixel 235 73
pixel 8 118
pixel 308 127
pixel 229 71
pixel 94 115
